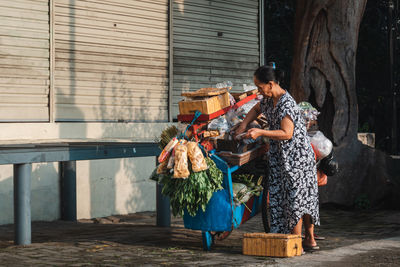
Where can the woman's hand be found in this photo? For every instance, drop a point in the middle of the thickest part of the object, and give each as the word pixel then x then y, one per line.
pixel 254 133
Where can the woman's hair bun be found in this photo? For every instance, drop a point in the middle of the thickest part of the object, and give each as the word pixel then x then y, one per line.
pixel 269 72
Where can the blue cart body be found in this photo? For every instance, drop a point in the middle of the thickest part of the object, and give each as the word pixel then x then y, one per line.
pixel 221 213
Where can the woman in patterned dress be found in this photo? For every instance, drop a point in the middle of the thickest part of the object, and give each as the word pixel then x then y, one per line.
pixel 293 189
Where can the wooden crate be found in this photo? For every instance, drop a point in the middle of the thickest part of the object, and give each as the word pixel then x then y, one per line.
pixel 272 245
pixel 206 105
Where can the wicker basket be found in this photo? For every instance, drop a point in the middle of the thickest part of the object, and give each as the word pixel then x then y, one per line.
pixel 272 245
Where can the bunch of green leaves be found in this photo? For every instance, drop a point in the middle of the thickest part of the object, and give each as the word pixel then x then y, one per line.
pixel 194 192
pixel 246 179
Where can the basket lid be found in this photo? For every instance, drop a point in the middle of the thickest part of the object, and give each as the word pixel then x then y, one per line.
pixel 271 235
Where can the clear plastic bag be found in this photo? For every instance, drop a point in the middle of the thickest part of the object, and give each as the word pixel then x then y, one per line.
pixel 248 106
pixel 308 111
pixel 233 118
pixel 249 87
pixel 322 145
pixel 232 100
pixel 181 169
pixel 224 84
pixel 220 124
pixel 196 157
pixel 162 167
pixel 171 162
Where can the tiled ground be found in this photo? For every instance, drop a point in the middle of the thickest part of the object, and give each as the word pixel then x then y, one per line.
pixel 134 240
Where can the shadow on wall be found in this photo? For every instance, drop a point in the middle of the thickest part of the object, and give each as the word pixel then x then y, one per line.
pixel 65 131
pixel 124 186
pixel 44 185
pixel 110 181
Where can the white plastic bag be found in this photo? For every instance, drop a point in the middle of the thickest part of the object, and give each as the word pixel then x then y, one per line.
pixel 322 145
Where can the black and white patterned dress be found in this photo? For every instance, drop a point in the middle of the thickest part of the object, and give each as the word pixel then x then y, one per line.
pixel 293 187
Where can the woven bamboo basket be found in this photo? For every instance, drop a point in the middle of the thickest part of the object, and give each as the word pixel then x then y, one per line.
pixel 272 245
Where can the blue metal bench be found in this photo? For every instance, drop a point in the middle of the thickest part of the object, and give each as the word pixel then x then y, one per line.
pixel 67 153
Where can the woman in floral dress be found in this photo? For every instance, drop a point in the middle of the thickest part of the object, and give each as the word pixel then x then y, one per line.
pixel 293 189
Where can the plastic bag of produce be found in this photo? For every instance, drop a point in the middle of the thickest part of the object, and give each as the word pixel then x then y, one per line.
pixel 171 162
pixel 241 193
pixel 181 169
pixel 167 150
pixel 162 168
pixel 321 144
pixel 196 157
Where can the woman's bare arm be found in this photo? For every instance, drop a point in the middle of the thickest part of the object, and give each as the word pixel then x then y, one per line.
pixel 284 133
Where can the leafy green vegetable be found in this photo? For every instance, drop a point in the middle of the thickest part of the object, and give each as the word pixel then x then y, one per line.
pixel 251 187
pixel 195 191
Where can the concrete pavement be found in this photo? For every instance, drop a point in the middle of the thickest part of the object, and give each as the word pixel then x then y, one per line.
pixel 353 238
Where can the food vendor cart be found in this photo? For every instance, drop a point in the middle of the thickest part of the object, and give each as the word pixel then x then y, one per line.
pixel 222 214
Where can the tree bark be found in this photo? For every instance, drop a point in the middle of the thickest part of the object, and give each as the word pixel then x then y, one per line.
pixel 323 73
pixel 323 70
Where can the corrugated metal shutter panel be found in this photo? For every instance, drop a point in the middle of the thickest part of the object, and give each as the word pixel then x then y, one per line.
pixel 111 60
pixel 24 63
pixel 214 41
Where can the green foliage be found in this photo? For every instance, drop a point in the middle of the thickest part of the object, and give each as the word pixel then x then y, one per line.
pixel 246 179
pixel 195 191
pixel 252 186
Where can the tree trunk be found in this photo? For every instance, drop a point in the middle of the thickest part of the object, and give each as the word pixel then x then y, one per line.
pixel 323 73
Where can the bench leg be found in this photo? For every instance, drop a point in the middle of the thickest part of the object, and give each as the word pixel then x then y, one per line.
pixel 68 190
pixel 163 208
pixel 22 204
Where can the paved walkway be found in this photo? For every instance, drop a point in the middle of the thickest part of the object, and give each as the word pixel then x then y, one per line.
pixel 353 238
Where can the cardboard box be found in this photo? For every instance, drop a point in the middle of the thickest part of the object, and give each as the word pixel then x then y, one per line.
pixel 205 105
pixel 272 245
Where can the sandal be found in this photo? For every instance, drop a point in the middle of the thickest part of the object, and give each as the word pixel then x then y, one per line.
pixel 316 237
pixel 310 248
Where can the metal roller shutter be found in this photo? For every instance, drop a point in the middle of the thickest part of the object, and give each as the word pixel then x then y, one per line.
pixel 214 41
pixel 24 63
pixel 111 60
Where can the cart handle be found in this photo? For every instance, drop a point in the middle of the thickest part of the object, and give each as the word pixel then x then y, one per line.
pixel 197 114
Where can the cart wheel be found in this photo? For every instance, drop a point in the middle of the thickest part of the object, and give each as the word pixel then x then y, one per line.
pixel 208 240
